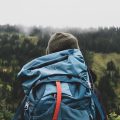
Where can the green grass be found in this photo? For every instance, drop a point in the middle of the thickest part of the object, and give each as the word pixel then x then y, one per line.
pixel 100 61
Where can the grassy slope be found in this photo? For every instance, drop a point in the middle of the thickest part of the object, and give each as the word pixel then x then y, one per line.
pixel 99 66
pixel 100 60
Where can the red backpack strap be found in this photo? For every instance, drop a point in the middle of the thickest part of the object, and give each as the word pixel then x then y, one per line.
pixel 58 100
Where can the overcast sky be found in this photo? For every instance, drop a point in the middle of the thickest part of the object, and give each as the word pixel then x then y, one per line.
pixel 61 13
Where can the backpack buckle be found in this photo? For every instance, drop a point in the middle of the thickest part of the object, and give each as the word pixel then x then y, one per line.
pixel 26 106
pixel 54 95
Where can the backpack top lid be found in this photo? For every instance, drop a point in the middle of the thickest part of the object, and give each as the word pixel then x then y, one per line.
pixel 66 62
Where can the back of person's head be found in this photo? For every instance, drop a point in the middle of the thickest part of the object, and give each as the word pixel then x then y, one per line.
pixel 61 41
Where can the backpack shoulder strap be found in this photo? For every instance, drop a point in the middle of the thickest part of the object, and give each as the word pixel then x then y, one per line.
pixel 98 106
pixel 95 98
pixel 20 109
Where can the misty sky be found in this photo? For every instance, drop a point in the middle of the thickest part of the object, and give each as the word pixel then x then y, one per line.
pixel 61 13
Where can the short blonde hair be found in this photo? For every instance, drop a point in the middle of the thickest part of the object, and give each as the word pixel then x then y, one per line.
pixel 61 41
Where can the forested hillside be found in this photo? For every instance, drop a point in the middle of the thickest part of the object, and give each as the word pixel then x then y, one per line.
pixel 101 49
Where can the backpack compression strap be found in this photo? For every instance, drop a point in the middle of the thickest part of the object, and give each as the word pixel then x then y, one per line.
pixel 58 100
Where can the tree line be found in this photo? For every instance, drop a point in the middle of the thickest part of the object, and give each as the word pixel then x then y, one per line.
pixel 105 40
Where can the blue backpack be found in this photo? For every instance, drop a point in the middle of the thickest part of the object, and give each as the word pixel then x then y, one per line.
pixel 57 87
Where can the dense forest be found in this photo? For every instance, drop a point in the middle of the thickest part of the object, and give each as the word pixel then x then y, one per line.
pixel 19 45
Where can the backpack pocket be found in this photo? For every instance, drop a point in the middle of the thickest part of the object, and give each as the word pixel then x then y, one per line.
pixel 68 113
pixel 46 115
pixel 38 108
